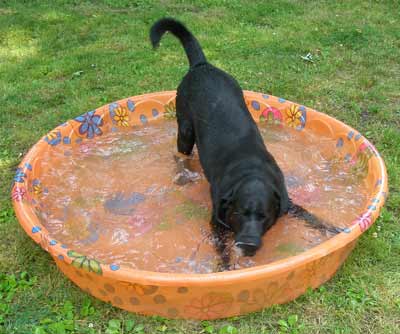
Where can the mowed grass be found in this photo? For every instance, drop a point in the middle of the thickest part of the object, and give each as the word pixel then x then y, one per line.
pixel 59 59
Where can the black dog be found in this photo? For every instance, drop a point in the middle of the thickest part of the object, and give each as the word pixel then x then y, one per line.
pixel 247 186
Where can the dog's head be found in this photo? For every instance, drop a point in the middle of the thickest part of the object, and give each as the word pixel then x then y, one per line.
pixel 250 210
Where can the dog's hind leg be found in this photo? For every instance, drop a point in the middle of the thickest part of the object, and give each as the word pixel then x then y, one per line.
pixel 186 136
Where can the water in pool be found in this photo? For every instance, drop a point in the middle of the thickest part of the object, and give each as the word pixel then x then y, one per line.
pixel 127 198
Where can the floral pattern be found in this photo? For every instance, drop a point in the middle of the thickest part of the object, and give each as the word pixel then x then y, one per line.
pixel 19 176
pixel 364 221
pixel 91 124
pixel 210 306
pixel 53 138
pixel 120 204
pixel 139 289
pixel 38 189
pixel 170 110
pixel 252 301
pixel 271 115
pixel 83 262
pixel 119 115
pixel 359 162
pixel 296 116
pixel 18 194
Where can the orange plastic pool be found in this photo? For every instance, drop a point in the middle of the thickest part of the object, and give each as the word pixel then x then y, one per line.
pixel 174 291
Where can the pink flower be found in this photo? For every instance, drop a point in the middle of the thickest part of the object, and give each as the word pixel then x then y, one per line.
pixel 18 194
pixel 362 147
pixel 271 115
pixel 139 225
pixel 364 221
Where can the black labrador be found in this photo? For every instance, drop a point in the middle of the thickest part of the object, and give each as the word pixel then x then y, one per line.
pixel 248 189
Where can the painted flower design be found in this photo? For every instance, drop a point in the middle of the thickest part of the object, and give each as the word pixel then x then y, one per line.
pixel 170 110
pixel 366 149
pixel 18 194
pixel 37 187
pixel 295 116
pixel 19 175
pixel 53 138
pixel 364 221
pixel 83 262
pixel 121 204
pixel 139 289
pixel 120 116
pixel 210 306
pixel 139 225
pixel 252 301
pixel 271 115
pixel 359 163
pixel 91 124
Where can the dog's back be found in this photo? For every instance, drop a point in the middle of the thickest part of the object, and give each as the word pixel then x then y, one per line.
pixel 223 125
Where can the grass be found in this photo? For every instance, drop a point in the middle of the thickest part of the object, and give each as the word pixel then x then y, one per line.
pixel 59 59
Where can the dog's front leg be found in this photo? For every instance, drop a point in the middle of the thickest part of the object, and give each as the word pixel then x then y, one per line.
pixel 220 238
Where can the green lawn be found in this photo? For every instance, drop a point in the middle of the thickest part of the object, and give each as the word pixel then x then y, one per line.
pixel 59 59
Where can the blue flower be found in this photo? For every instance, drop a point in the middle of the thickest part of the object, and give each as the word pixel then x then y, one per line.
pixel 91 124
pixel 339 143
pixel 114 267
pixel 36 229
pixel 19 175
pixel 350 135
pixel 143 119
pixel 255 105
pixel 131 105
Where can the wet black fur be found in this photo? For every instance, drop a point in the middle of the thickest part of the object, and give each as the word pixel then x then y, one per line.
pixel 247 186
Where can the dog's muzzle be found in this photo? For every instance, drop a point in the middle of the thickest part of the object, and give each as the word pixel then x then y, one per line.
pixel 248 248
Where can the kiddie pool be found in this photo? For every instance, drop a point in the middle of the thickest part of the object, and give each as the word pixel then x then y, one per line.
pixel 201 296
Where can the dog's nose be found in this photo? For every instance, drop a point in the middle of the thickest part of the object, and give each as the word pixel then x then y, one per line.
pixel 248 248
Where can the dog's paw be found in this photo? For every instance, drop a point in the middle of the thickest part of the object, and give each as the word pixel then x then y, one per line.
pixel 185 176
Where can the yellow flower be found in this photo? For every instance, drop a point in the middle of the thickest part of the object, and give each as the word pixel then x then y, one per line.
pixel 51 135
pixel 170 110
pixel 37 189
pixel 293 116
pixel 121 116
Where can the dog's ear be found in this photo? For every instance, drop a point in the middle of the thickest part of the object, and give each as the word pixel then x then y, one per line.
pixel 283 202
pixel 223 205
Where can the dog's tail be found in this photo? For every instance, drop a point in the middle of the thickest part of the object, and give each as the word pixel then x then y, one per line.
pixel 189 42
